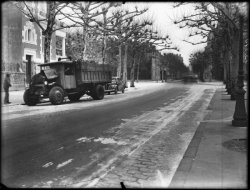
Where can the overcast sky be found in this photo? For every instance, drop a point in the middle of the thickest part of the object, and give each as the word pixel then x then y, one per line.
pixel 163 13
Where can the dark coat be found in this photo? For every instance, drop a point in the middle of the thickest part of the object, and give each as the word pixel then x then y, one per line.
pixel 6 83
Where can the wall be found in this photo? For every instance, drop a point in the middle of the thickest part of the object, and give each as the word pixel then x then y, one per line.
pixel 11 44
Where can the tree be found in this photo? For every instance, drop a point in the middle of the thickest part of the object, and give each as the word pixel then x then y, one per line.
pixel 175 64
pixel 122 30
pixel 85 14
pixel 49 24
pixel 73 44
pixel 199 61
pixel 144 33
pixel 206 21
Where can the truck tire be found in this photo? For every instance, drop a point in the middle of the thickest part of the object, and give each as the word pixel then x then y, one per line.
pixel 116 89
pixel 98 92
pixel 74 97
pixel 56 95
pixel 29 99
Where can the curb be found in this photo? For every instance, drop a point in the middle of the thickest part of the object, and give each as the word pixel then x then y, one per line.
pixel 185 165
pixel 15 104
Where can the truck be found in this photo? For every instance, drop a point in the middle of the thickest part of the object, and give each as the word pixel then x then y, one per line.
pixel 71 79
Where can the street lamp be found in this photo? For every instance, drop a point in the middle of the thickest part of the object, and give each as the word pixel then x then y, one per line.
pixel 240 117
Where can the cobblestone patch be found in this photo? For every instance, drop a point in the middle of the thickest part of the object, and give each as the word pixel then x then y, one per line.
pixel 150 164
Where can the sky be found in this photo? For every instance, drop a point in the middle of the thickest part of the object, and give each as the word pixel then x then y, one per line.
pixel 163 14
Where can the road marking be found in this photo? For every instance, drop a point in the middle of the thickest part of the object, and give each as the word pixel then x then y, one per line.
pixel 84 139
pixel 48 164
pixel 60 148
pixel 109 141
pixel 64 163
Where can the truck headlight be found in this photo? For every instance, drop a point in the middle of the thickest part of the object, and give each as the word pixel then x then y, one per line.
pixel 45 82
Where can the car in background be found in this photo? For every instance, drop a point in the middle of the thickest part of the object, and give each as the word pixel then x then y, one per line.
pixel 116 85
pixel 190 78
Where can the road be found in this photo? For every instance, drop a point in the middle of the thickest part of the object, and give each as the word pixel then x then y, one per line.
pixel 81 144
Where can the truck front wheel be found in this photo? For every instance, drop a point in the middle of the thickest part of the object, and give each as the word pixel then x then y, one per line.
pixel 30 99
pixel 56 95
pixel 98 92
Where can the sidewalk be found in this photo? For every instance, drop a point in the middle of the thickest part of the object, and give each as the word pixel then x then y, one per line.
pixel 217 155
pixel 16 98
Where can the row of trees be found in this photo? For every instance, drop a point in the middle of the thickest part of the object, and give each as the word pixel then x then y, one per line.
pixel 218 24
pixel 203 60
pixel 104 24
pixel 138 56
pixel 175 64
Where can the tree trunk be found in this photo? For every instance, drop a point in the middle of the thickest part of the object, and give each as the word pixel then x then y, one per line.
pixel 104 50
pixel 226 65
pixel 84 41
pixel 235 62
pixel 47 42
pixel 104 39
pixel 132 73
pixel 125 65
pixel 119 67
pixel 138 67
pixel 49 30
pixel 162 79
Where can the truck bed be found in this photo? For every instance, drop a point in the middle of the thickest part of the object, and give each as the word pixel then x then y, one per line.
pixel 93 73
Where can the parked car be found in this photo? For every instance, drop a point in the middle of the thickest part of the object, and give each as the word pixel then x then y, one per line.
pixel 190 78
pixel 116 85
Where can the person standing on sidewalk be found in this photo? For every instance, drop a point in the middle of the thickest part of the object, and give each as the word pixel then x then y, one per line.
pixel 6 87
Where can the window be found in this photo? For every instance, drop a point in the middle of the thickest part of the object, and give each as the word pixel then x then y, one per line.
pixel 68 70
pixel 29 33
pixel 59 46
pixel 30 36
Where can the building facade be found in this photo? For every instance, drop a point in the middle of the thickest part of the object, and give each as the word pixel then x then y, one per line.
pixel 158 71
pixel 23 43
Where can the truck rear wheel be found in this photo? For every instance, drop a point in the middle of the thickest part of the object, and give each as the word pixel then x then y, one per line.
pixel 98 92
pixel 74 97
pixel 30 99
pixel 56 95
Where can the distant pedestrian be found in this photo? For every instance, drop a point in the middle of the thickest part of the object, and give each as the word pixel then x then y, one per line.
pixel 6 87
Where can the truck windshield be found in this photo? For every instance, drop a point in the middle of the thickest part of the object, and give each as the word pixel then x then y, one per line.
pixel 50 73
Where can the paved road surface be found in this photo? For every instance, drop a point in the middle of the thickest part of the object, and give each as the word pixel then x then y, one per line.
pixel 78 144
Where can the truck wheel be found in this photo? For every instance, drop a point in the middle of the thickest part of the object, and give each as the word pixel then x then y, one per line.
pixel 116 90
pixel 30 99
pixel 123 90
pixel 56 95
pixel 98 92
pixel 74 97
